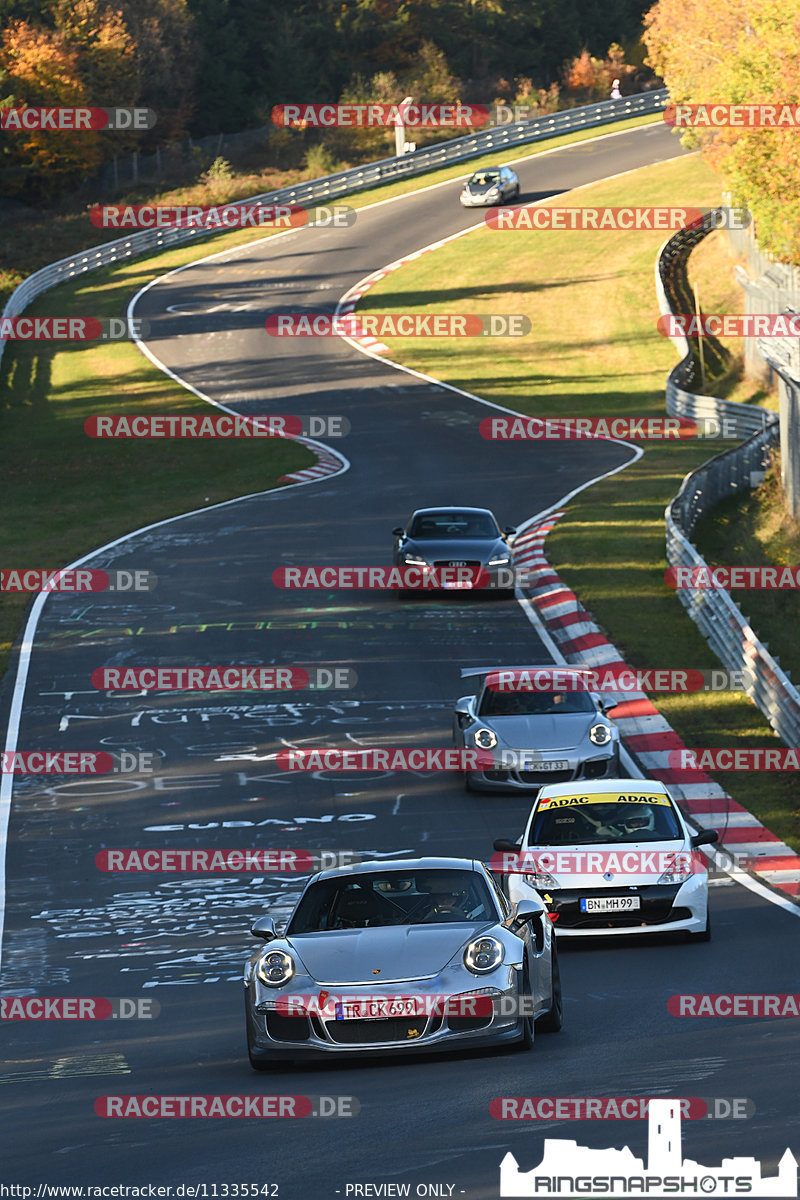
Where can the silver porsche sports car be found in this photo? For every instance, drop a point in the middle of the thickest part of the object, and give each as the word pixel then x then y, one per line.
pixel 414 954
pixel 536 737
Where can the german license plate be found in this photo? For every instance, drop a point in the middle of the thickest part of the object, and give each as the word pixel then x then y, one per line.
pixel 529 762
pixel 378 1009
pixel 610 904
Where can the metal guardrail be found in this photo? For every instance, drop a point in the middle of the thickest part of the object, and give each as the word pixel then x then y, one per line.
pixel 718 618
pixel 675 295
pixel 344 183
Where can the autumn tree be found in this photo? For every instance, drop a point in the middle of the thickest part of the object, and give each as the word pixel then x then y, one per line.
pixel 739 53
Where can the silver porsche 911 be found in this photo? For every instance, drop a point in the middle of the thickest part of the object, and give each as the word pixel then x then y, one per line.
pixel 536 737
pixel 408 955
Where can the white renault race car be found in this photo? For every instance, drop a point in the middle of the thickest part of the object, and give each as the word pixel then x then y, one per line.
pixel 610 856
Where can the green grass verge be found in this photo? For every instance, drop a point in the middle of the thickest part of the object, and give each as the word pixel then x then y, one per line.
pixel 594 351
pixel 65 493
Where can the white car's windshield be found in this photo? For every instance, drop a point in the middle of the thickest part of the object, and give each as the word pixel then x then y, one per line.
pixel 570 821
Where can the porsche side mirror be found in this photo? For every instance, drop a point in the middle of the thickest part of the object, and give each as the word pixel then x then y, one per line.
pixel 526 910
pixel 264 928
pixel 706 838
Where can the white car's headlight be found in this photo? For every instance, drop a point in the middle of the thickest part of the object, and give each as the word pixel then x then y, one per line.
pixel 600 735
pixel 676 874
pixel 483 955
pixel 540 879
pixel 275 967
pixel 485 739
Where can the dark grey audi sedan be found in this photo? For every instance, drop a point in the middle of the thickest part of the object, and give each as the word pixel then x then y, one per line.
pixel 467 541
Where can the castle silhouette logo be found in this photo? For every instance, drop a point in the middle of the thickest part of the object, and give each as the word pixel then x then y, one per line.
pixel 568 1170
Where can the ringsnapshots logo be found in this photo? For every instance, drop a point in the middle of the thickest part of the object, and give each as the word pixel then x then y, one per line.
pixel 237 215
pixel 223 679
pixel 411 324
pixel 75 120
pixel 568 1171
pixel 576 429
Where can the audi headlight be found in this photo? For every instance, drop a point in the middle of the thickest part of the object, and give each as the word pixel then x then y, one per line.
pixel 600 735
pixel 275 968
pixel 485 739
pixel 505 561
pixel 413 560
pixel 540 879
pixel 483 955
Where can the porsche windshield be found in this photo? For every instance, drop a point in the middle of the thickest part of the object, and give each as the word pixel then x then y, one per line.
pixel 530 704
pixel 484 178
pixel 369 901
pixel 453 525
pixel 568 822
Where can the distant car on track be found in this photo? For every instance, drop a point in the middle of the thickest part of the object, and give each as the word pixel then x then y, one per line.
pixel 372 951
pixel 613 857
pixel 457 537
pixel 488 186
pixel 536 737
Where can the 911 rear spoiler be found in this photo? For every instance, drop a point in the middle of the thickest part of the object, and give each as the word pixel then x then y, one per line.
pixel 466 672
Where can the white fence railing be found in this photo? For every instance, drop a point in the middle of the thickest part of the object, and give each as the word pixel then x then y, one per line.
pixel 344 183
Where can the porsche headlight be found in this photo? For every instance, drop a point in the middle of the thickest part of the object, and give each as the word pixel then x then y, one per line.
pixel 483 955
pixel 600 735
pixel 275 968
pixel 485 739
